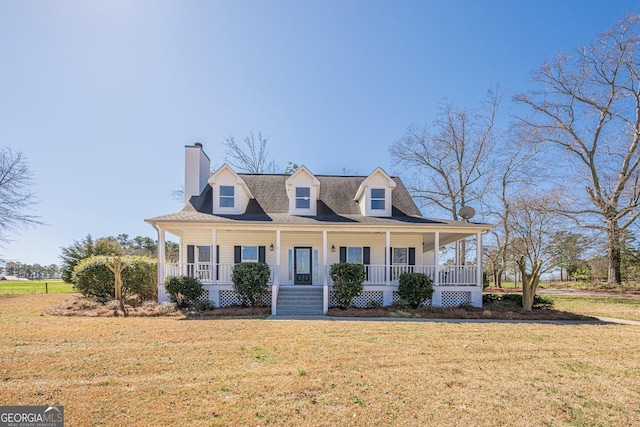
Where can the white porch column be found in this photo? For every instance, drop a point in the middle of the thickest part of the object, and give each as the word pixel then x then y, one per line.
pixel 276 276
pixel 436 257
pixel 275 286
pixel 325 269
pixel 387 267
pixel 325 254
pixel 436 299
pixel 214 256
pixel 162 295
pixel 479 257
pixel 476 296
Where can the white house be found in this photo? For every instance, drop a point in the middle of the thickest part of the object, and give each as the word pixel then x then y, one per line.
pixel 303 223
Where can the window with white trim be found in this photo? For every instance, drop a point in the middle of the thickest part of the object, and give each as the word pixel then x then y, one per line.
pixel 354 255
pixel 227 196
pixel 400 256
pixel 249 254
pixel 204 253
pixel 303 197
pixel 377 198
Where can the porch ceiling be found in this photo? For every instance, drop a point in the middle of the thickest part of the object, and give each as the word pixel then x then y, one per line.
pixel 429 239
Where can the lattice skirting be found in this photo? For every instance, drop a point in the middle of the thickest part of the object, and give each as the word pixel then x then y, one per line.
pixel 455 298
pixel 228 298
pixel 204 297
pixel 396 298
pixel 364 300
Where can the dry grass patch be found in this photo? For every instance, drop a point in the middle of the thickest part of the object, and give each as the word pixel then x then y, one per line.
pixel 616 307
pixel 169 371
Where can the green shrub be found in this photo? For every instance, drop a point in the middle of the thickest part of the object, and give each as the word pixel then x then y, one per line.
pixel 251 282
pixel 183 290
pixel 92 278
pixel 415 288
pixel 348 282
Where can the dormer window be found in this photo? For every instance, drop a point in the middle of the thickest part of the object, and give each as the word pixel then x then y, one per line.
pixel 230 193
pixel 227 196
pixel 375 194
pixel 377 198
pixel 303 191
pixel 303 197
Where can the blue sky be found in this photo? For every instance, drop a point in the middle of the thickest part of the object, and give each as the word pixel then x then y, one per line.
pixel 102 96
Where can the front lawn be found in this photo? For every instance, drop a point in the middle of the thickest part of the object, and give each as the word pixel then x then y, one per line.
pixel 220 372
pixel 604 306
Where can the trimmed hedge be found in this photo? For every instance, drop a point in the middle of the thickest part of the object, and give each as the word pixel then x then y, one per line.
pixel 92 278
pixel 183 290
pixel 415 288
pixel 251 282
pixel 348 282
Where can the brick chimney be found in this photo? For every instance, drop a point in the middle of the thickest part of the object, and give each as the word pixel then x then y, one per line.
pixel 197 168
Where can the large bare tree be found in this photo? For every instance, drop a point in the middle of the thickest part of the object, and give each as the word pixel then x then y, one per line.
pixel 587 104
pixel 16 198
pixel 253 157
pixel 450 159
pixel 451 156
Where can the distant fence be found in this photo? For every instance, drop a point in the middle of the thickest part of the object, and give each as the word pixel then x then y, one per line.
pixel 35 287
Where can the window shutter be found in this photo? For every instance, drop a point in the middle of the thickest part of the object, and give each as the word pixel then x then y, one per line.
pixel 412 258
pixel 191 254
pixel 217 262
pixel 262 256
pixel 237 254
pixel 343 254
pixel 366 260
pixel 191 259
pixel 391 263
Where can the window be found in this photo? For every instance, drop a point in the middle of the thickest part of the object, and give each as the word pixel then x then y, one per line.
pixel 249 254
pixel 400 256
pixel 204 253
pixel 354 255
pixel 377 198
pixel 303 197
pixel 227 196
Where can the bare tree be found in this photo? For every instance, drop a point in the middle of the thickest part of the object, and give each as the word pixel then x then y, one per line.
pixel 588 105
pixel 532 221
pixel 253 157
pixel 515 170
pixel 16 198
pixel 450 158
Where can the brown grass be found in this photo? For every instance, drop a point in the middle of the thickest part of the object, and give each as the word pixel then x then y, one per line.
pixel 168 371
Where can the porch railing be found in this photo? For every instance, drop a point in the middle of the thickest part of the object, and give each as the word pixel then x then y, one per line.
pixel 448 275
pixel 206 271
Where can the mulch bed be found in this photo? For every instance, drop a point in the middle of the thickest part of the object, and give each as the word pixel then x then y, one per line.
pixel 89 308
pixel 496 310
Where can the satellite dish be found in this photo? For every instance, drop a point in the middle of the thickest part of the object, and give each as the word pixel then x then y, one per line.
pixel 467 212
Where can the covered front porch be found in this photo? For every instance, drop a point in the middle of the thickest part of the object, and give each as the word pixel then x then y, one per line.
pixel 299 257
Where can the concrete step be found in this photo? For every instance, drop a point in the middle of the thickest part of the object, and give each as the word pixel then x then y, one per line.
pixel 299 300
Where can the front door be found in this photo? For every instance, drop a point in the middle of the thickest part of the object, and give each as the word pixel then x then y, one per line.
pixel 302 266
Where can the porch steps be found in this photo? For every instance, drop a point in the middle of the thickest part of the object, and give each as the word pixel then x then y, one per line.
pixel 293 300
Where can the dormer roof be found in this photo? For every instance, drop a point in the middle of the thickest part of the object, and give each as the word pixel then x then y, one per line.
pixel 390 183
pixel 226 169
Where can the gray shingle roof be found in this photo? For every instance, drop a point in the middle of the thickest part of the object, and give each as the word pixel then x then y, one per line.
pixel 336 204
